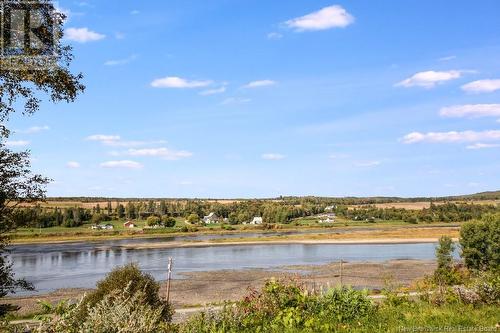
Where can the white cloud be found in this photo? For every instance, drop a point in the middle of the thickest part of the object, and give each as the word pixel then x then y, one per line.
pixel 448 58
pixel 260 83
pixel 126 164
pixel 451 137
pixel 367 164
pixel 430 79
pixel 33 130
pixel 327 18
pixel 482 86
pixel 274 35
pixel 471 111
pixel 235 100
pixel 165 153
pixel 116 141
pixel 476 146
pixel 186 183
pixel 119 62
pixel 135 12
pixel 103 138
pixel 17 143
pixel 177 82
pixel 273 157
pixel 82 35
pixel 213 91
pixel 73 165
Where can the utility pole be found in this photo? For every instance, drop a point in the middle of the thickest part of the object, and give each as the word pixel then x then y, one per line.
pixel 169 277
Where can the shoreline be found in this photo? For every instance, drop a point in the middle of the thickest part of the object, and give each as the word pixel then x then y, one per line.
pixel 330 230
pixel 386 241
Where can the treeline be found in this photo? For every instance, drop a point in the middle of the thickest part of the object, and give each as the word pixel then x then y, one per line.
pixel 272 212
pixel 449 212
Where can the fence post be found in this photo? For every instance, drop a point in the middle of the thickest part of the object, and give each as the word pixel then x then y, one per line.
pixel 169 277
pixel 341 273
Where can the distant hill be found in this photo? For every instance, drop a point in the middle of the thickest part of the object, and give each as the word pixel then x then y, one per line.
pixel 490 195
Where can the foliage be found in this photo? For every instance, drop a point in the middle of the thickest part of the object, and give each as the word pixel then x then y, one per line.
pixel 445 273
pixel 193 219
pixel 121 311
pixel 480 241
pixel 128 275
pixel 153 221
pixel 25 83
pixel 286 307
pixel 169 221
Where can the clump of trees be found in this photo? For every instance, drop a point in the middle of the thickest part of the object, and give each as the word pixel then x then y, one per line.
pixel 449 212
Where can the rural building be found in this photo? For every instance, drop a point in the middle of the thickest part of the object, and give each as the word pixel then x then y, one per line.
pixel 211 218
pixel 256 220
pixel 129 224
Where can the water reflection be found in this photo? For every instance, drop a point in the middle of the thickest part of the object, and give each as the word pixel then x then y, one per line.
pixel 52 267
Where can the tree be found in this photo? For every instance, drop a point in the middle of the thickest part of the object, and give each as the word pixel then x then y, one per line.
pixel 120 211
pixel 169 222
pixel 24 85
pixel 193 218
pixel 153 221
pixel 17 185
pixel 444 274
pixel 480 241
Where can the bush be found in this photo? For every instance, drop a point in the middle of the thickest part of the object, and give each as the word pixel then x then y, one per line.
pixel 118 279
pixel 121 311
pixel 286 307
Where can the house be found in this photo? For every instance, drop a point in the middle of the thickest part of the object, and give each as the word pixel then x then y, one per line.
pixel 256 220
pixel 211 218
pixel 330 208
pixel 129 225
pixel 327 215
pixel 327 220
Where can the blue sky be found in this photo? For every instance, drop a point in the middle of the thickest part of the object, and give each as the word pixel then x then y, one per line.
pixel 249 98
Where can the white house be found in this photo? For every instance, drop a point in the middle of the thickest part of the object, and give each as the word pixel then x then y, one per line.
pixel 256 220
pixel 211 218
pixel 327 220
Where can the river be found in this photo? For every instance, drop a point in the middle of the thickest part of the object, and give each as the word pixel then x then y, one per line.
pixel 80 265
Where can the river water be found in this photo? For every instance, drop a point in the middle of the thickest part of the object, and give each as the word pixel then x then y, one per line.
pixel 80 265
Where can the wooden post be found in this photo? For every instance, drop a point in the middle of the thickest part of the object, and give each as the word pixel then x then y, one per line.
pixel 169 277
pixel 341 272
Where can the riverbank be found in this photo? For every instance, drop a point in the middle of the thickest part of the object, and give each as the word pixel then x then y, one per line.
pixel 214 287
pixel 364 232
pixel 392 236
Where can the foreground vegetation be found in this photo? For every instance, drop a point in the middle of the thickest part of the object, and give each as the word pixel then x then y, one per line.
pixel 457 297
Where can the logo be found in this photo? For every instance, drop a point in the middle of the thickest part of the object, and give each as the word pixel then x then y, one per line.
pixel 29 35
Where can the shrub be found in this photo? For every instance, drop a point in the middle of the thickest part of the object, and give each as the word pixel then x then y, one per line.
pixel 121 311
pixel 286 307
pixel 121 277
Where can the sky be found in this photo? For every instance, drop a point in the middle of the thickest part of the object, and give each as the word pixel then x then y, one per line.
pixel 255 99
